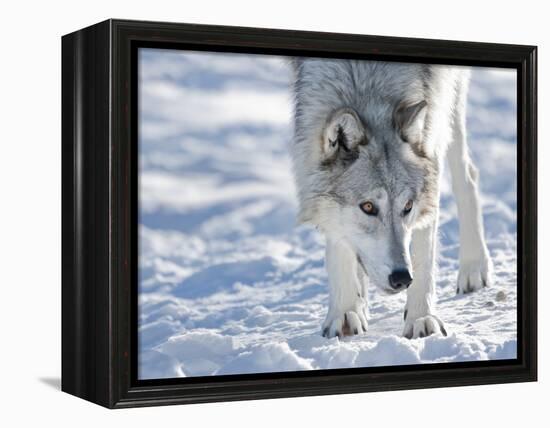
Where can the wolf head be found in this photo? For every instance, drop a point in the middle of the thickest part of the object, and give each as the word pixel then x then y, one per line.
pixel 368 179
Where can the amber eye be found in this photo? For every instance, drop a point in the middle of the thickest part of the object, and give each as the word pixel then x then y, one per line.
pixel 408 207
pixel 368 208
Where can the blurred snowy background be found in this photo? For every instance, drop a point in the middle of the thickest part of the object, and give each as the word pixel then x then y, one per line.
pixel 228 284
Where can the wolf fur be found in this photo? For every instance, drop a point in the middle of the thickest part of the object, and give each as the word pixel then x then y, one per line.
pixel 370 141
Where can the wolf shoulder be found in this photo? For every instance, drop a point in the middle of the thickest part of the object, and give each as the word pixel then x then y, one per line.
pixel 375 90
pixel 333 83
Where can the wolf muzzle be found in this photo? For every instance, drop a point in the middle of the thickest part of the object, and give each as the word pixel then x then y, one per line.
pixel 400 279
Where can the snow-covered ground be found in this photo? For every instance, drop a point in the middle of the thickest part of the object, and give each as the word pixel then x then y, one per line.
pixel 229 284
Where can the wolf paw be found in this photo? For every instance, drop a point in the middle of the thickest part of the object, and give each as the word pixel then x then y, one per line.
pixel 348 323
pixel 474 274
pixel 423 326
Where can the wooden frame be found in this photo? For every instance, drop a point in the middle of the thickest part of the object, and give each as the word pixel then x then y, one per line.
pixel 99 298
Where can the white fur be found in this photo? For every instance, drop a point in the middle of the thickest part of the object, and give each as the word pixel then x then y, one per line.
pixel 475 264
pixel 347 290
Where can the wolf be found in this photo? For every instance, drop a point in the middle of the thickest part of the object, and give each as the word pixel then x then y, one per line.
pixel 370 141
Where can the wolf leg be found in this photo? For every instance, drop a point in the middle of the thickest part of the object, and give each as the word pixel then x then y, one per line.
pixel 420 319
pixel 347 313
pixel 475 263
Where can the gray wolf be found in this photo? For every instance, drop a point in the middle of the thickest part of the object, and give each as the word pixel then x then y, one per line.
pixel 370 141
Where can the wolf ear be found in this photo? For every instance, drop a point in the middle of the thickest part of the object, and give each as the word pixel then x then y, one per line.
pixel 343 131
pixel 410 119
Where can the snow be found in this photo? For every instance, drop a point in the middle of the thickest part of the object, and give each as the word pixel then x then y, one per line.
pixel 229 284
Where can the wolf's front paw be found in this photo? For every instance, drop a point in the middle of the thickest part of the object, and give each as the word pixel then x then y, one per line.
pixel 474 274
pixel 423 326
pixel 346 323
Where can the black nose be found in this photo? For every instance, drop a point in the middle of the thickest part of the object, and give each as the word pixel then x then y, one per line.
pixel 400 279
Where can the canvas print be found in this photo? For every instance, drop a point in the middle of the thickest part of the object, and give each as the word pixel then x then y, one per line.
pixel 301 214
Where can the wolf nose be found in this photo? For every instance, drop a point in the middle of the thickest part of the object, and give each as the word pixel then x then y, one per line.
pixel 400 279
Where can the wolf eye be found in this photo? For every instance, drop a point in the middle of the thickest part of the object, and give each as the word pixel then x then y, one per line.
pixel 368 208
pixel 408 207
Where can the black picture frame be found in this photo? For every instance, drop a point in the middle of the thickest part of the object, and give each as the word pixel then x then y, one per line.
pixel 99 208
